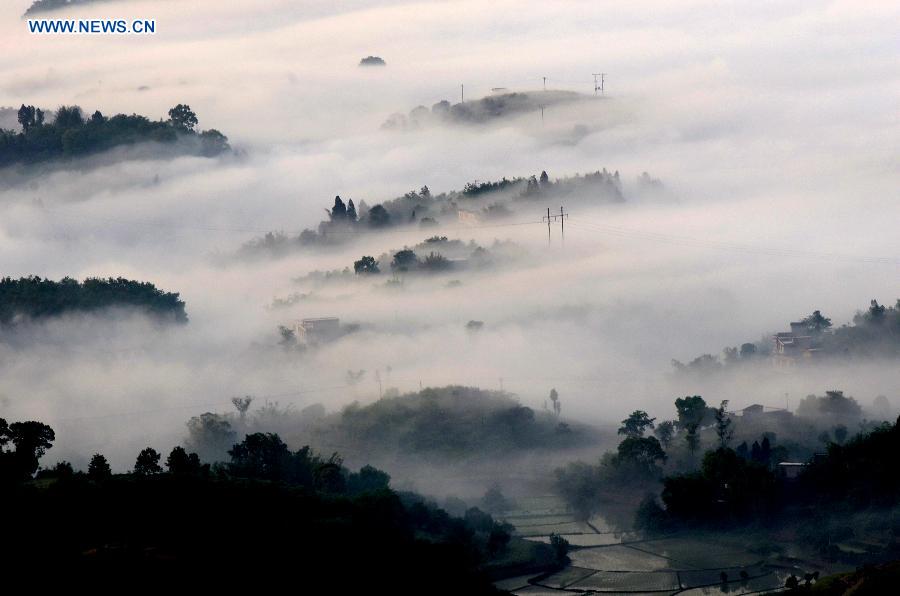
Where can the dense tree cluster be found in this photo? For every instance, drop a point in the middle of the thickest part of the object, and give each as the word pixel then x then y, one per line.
pixel 700 479
pixel 33 298
pixel 478 111
pixel 72 134
pixel 435 423
pixel 728 487
pixel 635 467
pixel 481 200
pixel 737 487
pixel 862 472
pixel 747 485
pixel 450 422
pixel 434 255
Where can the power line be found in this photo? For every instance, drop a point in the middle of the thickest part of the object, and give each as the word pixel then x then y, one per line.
pixel 398 230
pixel 729 246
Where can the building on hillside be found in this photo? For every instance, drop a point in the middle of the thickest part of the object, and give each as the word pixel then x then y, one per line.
pixel 317 330
pixel 792 347
pixel 754 410
pixel 766 414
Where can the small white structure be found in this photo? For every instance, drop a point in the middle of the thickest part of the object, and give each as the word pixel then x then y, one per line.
pixel 791 470
pixel 317 330
pixel 468 217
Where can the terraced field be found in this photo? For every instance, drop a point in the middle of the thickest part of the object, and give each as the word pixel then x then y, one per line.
pixel 604 561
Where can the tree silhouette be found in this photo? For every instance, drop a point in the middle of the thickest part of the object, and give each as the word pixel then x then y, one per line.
pixel 875 314
pixel 147 463
pixel 211 435
pixel 366 265
pixel 723 424
pixel 636 424
pixel 642 453
pixel 26 116
pixel 691 437
pixel 691 410
pixel 32 439
pixel 98 469
pixel 817 322
pixel 339 211
pixel 664 432
pixel 368 479
pixel 242 404
pixel 182 118
pixel 68 117
pixel 557 405
pixel 260 455
pixel 378 217
pixel 765 451
pixel 560 548
pixel 182 463
pixel 404 260
pixel 63 470
pixel 4 434
pixel 213 142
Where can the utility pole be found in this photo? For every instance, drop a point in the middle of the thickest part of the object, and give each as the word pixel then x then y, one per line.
pixel 462 94
pixel 562 225
pixel 599 87
pixel 548 226
pixel 542 113
pixel 561 218
pixel 545 83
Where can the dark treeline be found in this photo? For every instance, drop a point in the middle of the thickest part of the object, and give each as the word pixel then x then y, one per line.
pixel 439 424
pixel 435 254
pixel 33 298
pixel 266 516
pixel 39 6
pixel 730 488
pixel 479 111
pixel 873 333
pixel 72 134
pixel 702 479
pixel 477 201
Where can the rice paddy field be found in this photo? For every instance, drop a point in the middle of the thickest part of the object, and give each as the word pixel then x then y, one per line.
pixel 604 561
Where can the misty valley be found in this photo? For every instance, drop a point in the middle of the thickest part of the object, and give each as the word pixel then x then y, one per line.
pixel 634 330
